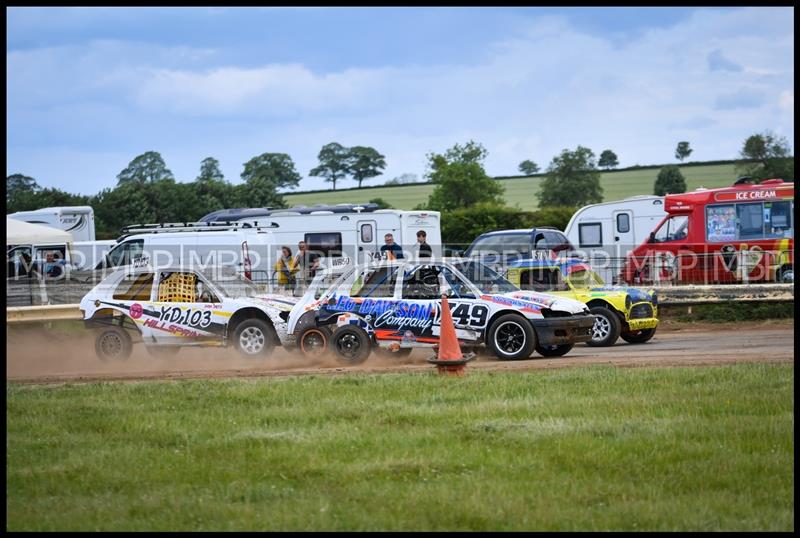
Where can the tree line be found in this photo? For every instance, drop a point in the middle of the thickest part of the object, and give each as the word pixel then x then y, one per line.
pixel 469 199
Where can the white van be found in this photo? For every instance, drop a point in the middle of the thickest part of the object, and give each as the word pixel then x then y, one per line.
pixel 345 230
pixel 247 250
pixel 88 254
pixel 604 233
pixel 77 220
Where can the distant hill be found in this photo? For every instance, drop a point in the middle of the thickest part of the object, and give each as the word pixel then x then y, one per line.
pixel 521 190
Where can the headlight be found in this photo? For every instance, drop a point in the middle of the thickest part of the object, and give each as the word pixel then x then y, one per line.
pixel 628 302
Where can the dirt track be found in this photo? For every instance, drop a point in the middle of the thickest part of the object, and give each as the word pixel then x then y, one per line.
pixel 36 356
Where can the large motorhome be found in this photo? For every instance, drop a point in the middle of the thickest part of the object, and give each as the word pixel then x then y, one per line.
pixel 605 233
pixel 344 230
pixel 351 234
pixel 740 233
pixel 77 220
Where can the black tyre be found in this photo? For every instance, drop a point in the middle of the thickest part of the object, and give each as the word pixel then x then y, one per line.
pixel 163 351
pixel 511 337
pixel 113 343
pixel 350 344
pixel 254 338
pixel 554 350
pixel 313 341
pixel 638 337
pixel 786 275
pixel 606 327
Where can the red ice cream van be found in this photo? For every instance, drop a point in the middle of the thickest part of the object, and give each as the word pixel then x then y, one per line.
pixel 742 233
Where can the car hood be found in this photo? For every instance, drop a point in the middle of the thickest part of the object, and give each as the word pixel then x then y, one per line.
pixel 279 302
pixel 636 294
pixel 541 300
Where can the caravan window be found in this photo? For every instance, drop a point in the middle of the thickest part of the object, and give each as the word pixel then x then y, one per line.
pixel 325 244
pixel 366 233
pixel 590 235
pixel 623 223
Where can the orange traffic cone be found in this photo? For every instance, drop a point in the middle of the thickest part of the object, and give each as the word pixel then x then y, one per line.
pixel 449 360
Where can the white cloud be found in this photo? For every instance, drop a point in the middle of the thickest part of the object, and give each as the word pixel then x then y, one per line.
pixel 528 98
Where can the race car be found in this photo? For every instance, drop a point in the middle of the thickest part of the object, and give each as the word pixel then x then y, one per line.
pixel 167 308
pixel 395 306
pixel 620 311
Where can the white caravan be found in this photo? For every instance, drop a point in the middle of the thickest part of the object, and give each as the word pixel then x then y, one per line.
pixel 351 231
pixel 604 233
pixel 77 220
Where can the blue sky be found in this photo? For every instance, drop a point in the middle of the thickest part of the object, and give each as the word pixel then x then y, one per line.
pixel 89 89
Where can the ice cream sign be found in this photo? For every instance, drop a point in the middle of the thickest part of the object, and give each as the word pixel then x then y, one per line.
pixel 745 195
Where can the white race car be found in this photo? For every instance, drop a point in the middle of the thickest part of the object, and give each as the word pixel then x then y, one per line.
pixel 172 307
pixel 395 306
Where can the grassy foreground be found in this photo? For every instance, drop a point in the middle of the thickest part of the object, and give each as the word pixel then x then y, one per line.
pixel 586 448
pixel 522 191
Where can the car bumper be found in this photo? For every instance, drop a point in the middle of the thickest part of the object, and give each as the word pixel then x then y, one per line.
pixel 641 324
pixel 560 331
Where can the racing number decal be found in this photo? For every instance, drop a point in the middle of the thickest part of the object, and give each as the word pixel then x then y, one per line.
pixel 195 318
pixel 471 315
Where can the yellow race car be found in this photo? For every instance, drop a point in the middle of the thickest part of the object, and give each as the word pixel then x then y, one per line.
pixel 619 311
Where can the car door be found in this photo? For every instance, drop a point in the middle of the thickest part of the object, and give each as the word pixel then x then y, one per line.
pixel 421 302
pixel 181 316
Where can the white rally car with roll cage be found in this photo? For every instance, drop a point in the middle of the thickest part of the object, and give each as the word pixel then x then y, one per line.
pixel 166 308
pixel 395 306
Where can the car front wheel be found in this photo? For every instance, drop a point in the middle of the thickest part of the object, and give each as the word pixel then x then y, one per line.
pixel 638 337
pixel 254 338
pixel 511 337
pixel 606 327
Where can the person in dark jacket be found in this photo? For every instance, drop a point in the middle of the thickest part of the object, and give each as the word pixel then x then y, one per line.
pixel 425 250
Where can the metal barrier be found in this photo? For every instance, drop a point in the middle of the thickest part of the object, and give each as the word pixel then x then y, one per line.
pixel 667 296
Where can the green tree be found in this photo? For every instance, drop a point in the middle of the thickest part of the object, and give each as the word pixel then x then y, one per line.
pixel 765 156
pixel 264 175
pixel 669 181
pixel 682 151
pixel 608 160
pixel 364 162
pixel 146 168
pixel 460 178
pixel 20 190
pixel 209 170
pixel 528 167
pixel 572 180
pixel 333 163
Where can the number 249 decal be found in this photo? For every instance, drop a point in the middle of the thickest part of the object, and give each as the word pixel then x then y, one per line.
pixel 469 314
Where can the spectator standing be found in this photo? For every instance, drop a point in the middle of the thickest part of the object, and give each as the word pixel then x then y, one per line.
pixel 286 267
pixel 306 262
pixel 425 250
pixel 393 250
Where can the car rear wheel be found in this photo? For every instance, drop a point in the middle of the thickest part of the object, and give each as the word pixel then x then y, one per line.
pixel 511 337
pixel 638 337
pixel 606 327
pixel 313 341
pixel 554 350
pixel 254 338
pixel 113 343
pixel 350 344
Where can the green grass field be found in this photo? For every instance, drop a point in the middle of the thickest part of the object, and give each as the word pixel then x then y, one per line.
pixel 598 448
pixel 522 191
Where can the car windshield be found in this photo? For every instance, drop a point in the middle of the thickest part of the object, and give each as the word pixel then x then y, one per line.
pixel 486 279
pixel 501 243
pixel 584 278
